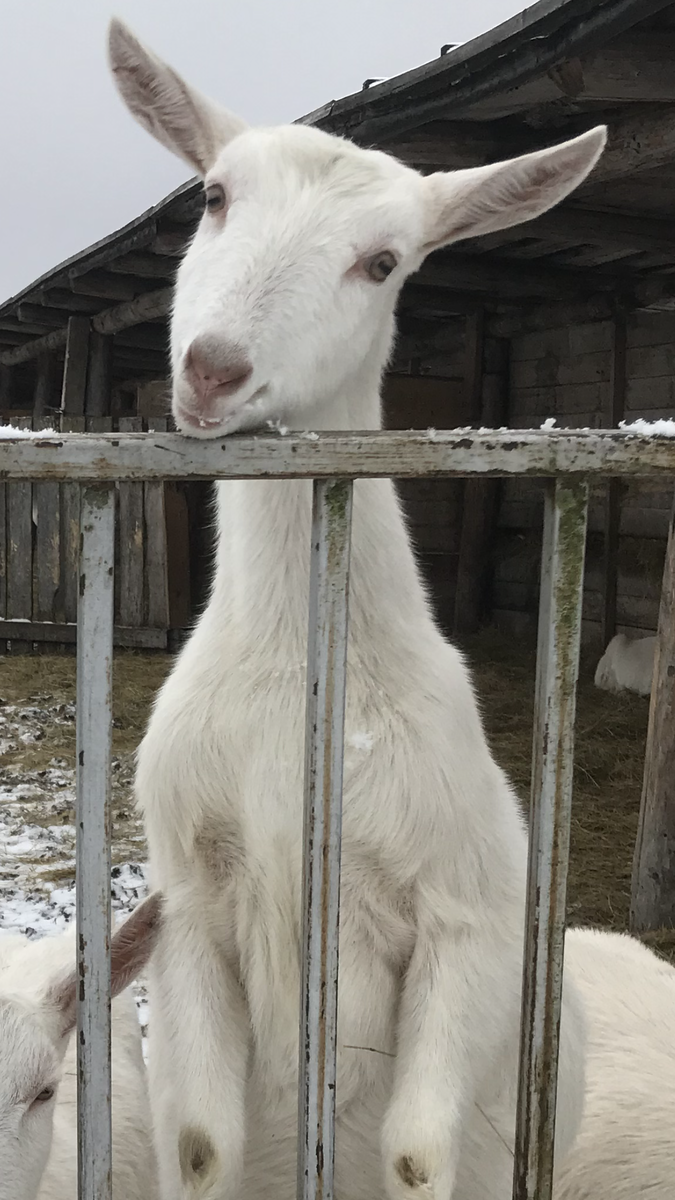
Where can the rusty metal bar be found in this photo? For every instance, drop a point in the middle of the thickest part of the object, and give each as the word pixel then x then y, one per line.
pixel 93 909
pixel 375 453
pixel 326 679
pixel 562 577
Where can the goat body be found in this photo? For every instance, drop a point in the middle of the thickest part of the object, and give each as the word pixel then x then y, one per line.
pixel 627 665
pixel 284 314
pixel 38 1067
pixel 625 1148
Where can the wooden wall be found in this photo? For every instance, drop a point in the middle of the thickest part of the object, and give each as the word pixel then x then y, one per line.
pixel 571 374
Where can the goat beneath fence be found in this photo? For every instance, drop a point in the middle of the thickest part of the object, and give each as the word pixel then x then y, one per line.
pixel 284 315
pixel 38 1076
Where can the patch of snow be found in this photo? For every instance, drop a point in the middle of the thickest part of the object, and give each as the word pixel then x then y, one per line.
pixel 10 431
pixel 282 429
pixel 662 428
pixel 549 423
pixel 309 435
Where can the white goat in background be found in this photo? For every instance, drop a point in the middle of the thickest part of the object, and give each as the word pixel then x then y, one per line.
pixel 627 665
pixel 38 1075
pixel 284 313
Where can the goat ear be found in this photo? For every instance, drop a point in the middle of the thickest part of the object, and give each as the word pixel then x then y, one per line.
pixel 130 950
pixel 177 115
pixel 134 942
pixel 463 204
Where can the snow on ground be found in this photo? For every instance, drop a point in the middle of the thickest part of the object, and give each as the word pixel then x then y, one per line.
pixel 37 831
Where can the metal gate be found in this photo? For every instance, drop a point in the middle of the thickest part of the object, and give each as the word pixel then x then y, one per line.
pixel 567 459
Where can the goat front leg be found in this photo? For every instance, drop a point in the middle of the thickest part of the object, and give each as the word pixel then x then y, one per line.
pixel 199 1041
pixel 450 1022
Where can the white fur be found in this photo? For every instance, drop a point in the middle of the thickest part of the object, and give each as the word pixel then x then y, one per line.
pixel 434 846
pixel 38 1138
pixel 626 1146
pixel 627 665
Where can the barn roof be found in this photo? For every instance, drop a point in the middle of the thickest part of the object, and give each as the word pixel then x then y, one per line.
pixel 544 75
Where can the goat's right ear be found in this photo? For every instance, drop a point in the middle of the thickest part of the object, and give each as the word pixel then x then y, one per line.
pixel 130 951
pixel 177 115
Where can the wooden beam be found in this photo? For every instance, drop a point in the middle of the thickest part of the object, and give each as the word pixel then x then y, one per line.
pixel 104 285
pixel 49 631
pixel 635 143
pixel 110 251
pixel 581 226
pixel 145 266
pixel 98 395
pixel 144 308
pixel 147 307
pixel 617 400
pixel 37 314
pixel 62 298
pixel 653 893
pixel 503 281
pixel 75 367
pixel 474 348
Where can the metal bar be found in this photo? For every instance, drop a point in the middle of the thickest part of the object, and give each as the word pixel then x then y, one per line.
pixel 375 453
pixel 561 593
pixel 94 728
pixel 326 679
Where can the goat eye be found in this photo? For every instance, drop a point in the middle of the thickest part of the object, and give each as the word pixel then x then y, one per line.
pixel 214 197
pixel 43 1096
pixel 380 266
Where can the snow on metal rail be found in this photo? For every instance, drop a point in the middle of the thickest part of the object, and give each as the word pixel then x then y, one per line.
pixel 568 459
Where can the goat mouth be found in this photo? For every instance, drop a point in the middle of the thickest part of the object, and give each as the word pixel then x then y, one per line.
pixel 217 424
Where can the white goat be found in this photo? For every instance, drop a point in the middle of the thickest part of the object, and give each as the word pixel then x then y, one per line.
pixel 626 1146
pixel 38 1076
pixel 284 313
pixel 627 665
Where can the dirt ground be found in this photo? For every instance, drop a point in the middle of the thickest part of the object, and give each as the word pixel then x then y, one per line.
pixel 37 748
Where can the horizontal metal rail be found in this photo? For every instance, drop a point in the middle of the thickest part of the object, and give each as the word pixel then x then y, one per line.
pixel 446 453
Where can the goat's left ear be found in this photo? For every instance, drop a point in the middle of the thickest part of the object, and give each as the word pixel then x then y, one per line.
pixel 130 951
pixel 464 204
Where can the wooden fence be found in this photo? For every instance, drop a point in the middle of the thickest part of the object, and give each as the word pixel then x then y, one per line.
pixel 39 550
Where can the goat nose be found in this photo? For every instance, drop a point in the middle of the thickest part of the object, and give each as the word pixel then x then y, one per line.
pixel 216 370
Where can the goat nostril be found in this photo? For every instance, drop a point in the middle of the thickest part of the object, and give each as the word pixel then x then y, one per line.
pixel 220 370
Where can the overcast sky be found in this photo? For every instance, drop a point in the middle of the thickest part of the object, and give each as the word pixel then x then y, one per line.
pixel 75 166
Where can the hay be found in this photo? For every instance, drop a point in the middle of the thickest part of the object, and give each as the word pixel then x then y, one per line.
pixel 609 753
pixel 609 756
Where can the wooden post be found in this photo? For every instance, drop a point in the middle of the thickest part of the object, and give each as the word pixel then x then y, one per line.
pixel 99 376
pixel 75 367
pixel 653 896
pixel 5 387
pixel 43 396
pixel 480 495
pixel 614 414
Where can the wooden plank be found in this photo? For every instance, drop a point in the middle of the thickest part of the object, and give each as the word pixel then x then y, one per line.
pixel 47 603
pixel 98 396
pixel 614 414
pixel 156 565
pixel 479 520
pixel 178 555
pixel 474 349
pixel 70 532
pixel 653 893
pixel 20 543
pixel 51 632
pixel 75 367
pixel 131 542
pixel 45 381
